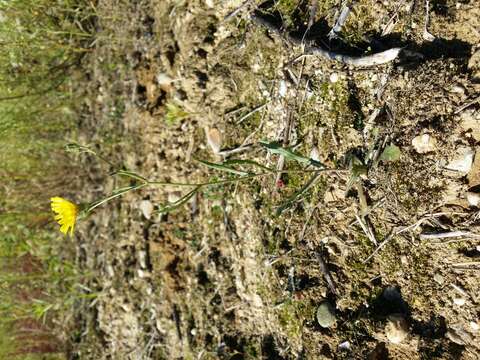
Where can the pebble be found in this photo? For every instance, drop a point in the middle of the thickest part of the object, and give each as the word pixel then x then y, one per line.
pixel 214 139
pixel 396 329
pixel 424 143
pixel 333 78
pixel 146 207
pixel 458 335
pixel 473 198
pixel 344 346
pixel 315 154
pixel 282 88
pixel 474 326
pixel 459 301
pixel 474 65
pixel 458 89
pixel 463 161
pixel 326 315
pixel 438 279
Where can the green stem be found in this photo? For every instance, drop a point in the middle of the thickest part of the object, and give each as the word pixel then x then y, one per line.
pixel 195 185
pixel 237 179
pixel 113 196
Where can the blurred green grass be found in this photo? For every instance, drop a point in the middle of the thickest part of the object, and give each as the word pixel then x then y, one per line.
pixel 43 41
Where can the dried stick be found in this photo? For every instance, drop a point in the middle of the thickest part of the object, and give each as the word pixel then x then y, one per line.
pixel 467 105
pixel 326 273
pixel 369 60
pixel 341 20
pixel 447 235
pixel 236 11
pixel 426 34
pixel 366 229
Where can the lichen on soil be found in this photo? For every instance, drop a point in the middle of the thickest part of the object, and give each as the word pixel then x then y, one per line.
pixel 225 276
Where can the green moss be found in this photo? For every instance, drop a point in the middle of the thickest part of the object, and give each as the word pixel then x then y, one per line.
pixel 292 314
pixel 360 22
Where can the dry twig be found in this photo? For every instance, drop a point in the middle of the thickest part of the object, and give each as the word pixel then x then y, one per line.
pixel 447 235
pixel 326 273
pixel 369 60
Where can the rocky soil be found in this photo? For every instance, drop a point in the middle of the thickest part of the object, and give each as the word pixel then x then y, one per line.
pixel 377 259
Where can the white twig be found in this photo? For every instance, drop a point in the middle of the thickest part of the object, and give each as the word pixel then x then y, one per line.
pixel 341 20
pixel 467 105
pixel 364 61
pixel 447 235
pixel 426 34
pixel 366 230
pixel 467 264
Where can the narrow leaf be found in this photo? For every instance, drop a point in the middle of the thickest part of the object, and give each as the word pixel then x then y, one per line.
pixel 223 167
pixel 130 174
pixel 247 162
pixel 276 148
pixel 170 207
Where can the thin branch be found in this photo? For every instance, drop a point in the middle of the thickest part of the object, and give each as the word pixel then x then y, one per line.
pixel 341 20
pixel 326 272
pixel 447 235
pixel 369 60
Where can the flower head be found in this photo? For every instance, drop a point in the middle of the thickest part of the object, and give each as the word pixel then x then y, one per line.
pixel 66 214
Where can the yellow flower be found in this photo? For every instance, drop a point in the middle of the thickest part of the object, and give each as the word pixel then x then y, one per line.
pixel 66 214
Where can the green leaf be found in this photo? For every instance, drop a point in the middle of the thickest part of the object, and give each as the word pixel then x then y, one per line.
pixel 247 162
pixel 170 207
pixel 391 153
pixel 276 148
pixel 223 167
pixel 130 174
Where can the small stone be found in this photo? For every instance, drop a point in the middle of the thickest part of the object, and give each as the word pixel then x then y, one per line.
pixel 474 326
pixel 474 61
pixel 315 154
pixel 462 162
pixel 424 143
pixel 344 346
pixel 214 139
pixel 282 88
pixel 458 89
pixel 459 301
pixel 142 259
pixel 396 329
pixel 453 336
pixel 165 82
pixel 326 315
pixel 146 207
pixel 473 176
pixel 473 198
pixel 333 78
pixel 438 279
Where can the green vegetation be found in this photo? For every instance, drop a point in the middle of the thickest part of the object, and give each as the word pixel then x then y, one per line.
pixel 42 42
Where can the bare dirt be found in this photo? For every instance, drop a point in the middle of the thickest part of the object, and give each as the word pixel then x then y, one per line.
pixel 226 277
